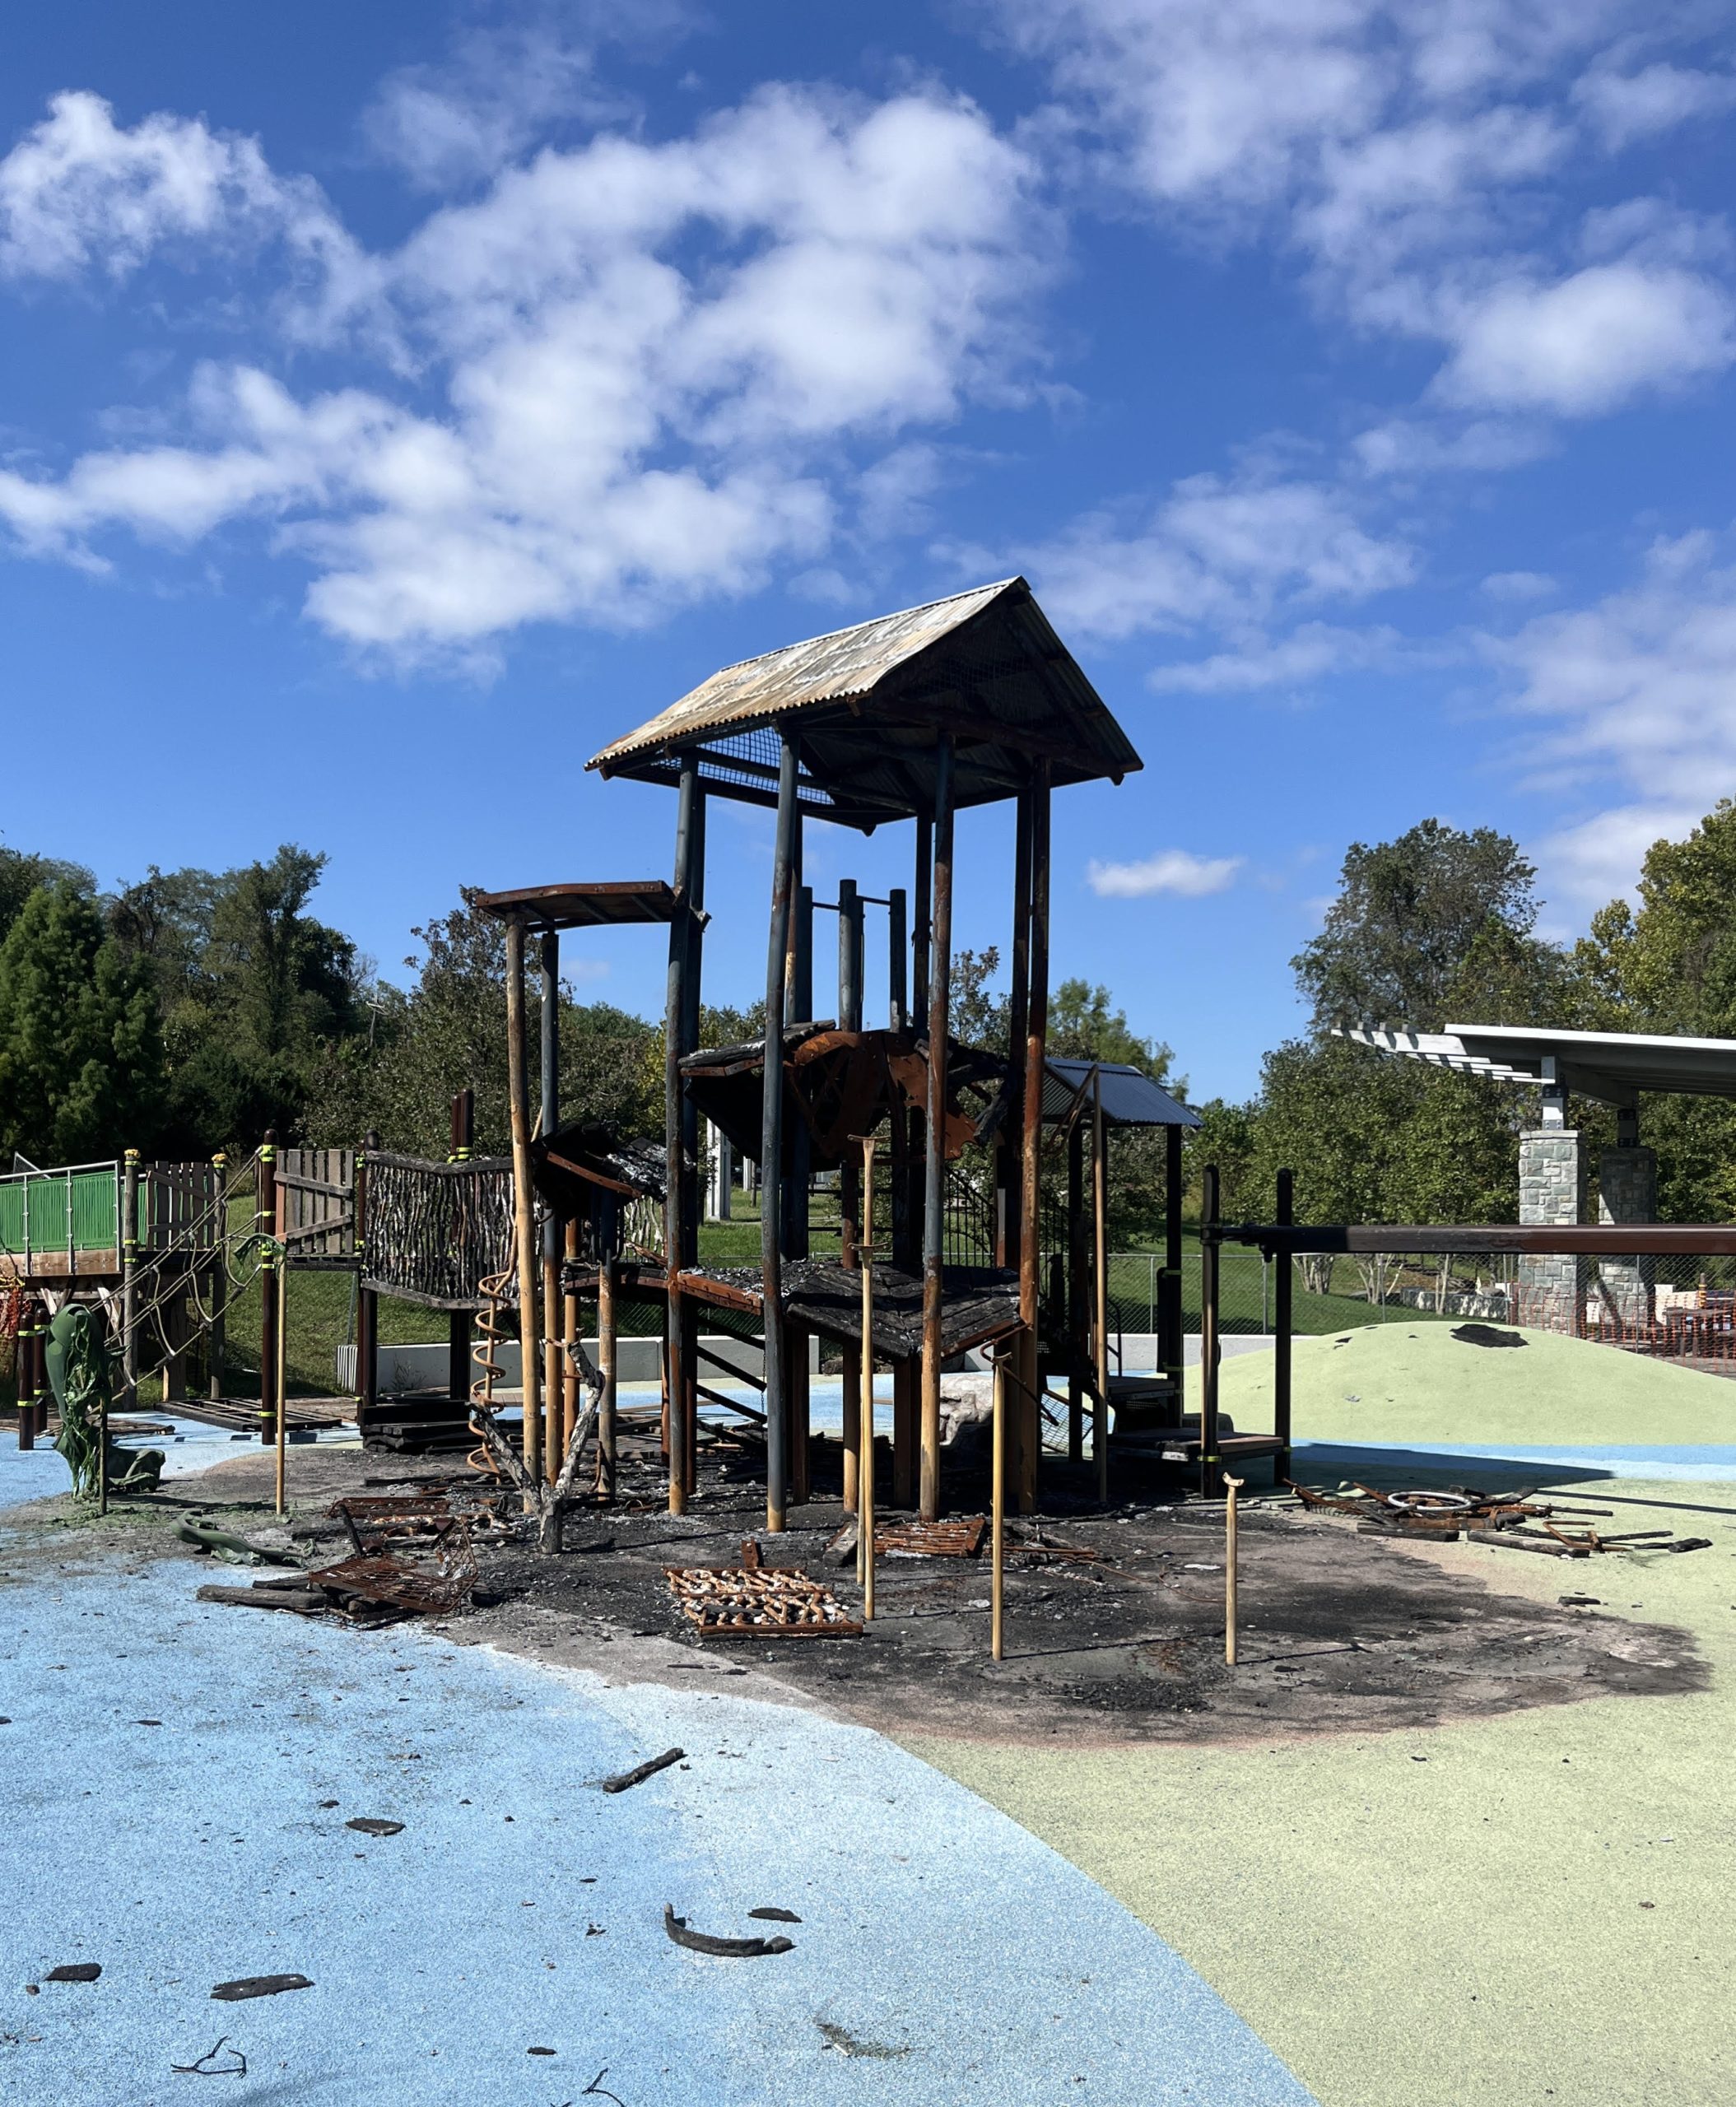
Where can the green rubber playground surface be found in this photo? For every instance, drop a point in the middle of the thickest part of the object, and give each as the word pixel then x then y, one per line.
pixel 1415 1384
pixel 1533 1907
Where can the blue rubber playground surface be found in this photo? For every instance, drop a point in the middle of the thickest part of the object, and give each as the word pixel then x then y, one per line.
pixel 1708 1462
pixel 180 1776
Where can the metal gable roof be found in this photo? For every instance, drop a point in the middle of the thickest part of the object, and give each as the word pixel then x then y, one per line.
pixel 872 703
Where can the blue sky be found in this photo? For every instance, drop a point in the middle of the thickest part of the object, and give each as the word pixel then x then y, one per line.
pixel 395 404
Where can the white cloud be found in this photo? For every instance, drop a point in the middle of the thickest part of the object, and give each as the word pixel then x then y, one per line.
pixel 1589 342
pixel 1518 585
pixel 1311 651
pixel 1216 553
pixel 1628 106
pixel 1170 870
pixel 1585 866
pixel 79 193
pixel 1638 691
pixel 1419 154
pixel 629 373
pixel 461 121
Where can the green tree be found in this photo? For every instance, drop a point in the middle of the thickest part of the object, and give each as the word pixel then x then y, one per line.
pixel 81 1060
pixel 1423 922
pixel 21 874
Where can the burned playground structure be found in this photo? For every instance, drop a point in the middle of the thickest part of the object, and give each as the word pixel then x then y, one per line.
pixel 971 1179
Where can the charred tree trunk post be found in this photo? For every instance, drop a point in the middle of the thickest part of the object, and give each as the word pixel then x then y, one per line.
pixel 1176 1318
pixel 1078 1334
pixel 1208 1261
pixel 458 1326
pixel 367 1302
pixel 266 1220
pixel 523 1204
pixel 934 1123
pixel 1100 1229
pixel 548 1034
pixel 997 1510
pixel 771 1141
pixel 218 1278
pixel 1036 1052
pixel 280 1432
pixel 1284 1213
pixel 796 1243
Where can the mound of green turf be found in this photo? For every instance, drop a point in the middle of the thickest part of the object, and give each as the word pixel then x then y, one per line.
pixel 1401 1383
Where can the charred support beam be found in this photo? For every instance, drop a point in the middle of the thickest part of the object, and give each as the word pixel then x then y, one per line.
pixel 1009 1155
pixel 1099 1266
pixel 523 1204
pixel 548 1022
pixel 1284 1213
pixel 897 1001
pixel 677 1186
pixel 1036 1049
pixel 607 1433
pixel 799 1009
pixel 1171 1318
pixel 1209 1248
pixel 772 1140
pixel 905 1419
pixel 922 931
pixel 1078 1332
pixel 934 1123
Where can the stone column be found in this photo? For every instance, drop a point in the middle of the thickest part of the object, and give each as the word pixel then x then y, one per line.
pixel 1627 1191
pixel 1552 1193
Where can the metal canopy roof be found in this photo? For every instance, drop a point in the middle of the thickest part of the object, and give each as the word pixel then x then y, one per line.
pixel 870 703
pixel 585 904
pixel 1612 1067
pixel 1130 1098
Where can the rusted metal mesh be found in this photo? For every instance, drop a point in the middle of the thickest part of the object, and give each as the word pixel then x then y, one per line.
pixel 960 1539
pixel 766 1601
pixel 375 1520
pixel 433 1583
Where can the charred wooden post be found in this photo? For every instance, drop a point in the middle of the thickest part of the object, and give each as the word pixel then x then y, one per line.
pixel 217 1278
pixel 266 1223
pixel 799 1009
pixel 458 1324
pixel 367 1301
pixel 1174 1318
pixel 865 1411
pixel 677 1186
pixel 772 1138
pixel 692 1162
pixel 853 1231
pixel 129 1278
pixel 548 1034
pixel 907 1426
pixel 1036 1051
pixel 26 1364
pixel 1009 1153
pixel 1078 1275
pixel 280 1430
pixel 801 1412
pixel 571 1334
pixel 1209 1253
pixel 897 1001
pixel 998 1511
pixel 1284 1214
pixel 934 1125
pixel 1100 1229
pixel 523 1205
pixel 922 931
pixel 608 1237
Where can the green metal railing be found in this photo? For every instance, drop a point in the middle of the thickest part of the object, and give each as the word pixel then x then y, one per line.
pixel 71 1209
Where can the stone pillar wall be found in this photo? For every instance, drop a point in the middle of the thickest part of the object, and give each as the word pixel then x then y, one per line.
pixel 1627 1191
pixel 1552 1193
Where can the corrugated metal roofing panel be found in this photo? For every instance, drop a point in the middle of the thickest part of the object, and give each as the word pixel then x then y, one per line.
pixel 1130 1098
pixel 845 662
